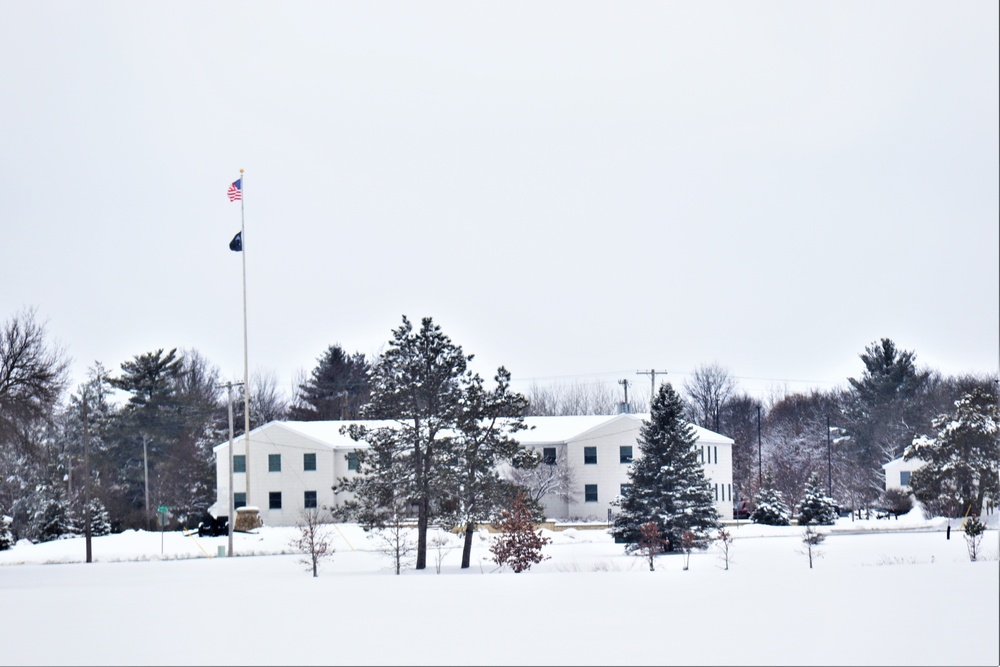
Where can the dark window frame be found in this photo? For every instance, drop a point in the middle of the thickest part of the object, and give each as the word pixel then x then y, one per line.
pixel 624 457
pixel 274 500
pixel 310 500
pixel 590 493
pixel 274 462
pixel 309 461
pixel 239 463
pixel 590 456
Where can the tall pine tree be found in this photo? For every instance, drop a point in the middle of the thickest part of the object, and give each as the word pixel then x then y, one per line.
pixel 883 411
pixel 148 430
pixel 486 425
pixel 336 389
pixel 419 382
pixel 667 483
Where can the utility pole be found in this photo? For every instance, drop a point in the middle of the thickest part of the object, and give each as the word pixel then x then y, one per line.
pixel 652 384
pixel 145 473
pixel 229 393
pixel 760 466
pixel 86 480
pixel 625 383
pixel 829 460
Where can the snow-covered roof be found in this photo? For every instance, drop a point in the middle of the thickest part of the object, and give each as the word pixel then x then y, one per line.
pixel 541 430
pixel 911 464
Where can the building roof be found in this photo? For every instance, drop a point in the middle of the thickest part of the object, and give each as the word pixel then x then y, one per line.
pixel 540 431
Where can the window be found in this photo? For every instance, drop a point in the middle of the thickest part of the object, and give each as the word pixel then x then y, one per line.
pixel 590 455
pixel 549 456
pixel 274 500
pixel 590 493
pixel 716 492
pixel 729 487
pixel 239 463
pixel 239 500
pixel 625 488
pixel 904 477
pixel 715 450
pixel 352 460
pixel 274 462
pixel 310 500
pixel 701 455
pixel 625 454
pixel 309 461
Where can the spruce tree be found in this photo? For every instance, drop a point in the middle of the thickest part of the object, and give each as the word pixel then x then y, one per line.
pixel 6 537
pixel 816 507
pixel 336 389
pixel 667 483
pixel 770 508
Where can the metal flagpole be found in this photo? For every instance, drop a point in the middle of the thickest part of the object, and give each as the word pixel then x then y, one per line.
pixel 246 372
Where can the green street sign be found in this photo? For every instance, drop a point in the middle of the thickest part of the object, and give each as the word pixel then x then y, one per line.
pixel 163 509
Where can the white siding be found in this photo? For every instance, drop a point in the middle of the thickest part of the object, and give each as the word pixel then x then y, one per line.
pixel 569 435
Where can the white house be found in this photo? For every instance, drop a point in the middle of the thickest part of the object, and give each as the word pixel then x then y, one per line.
pixel 897 473
pixel 294 465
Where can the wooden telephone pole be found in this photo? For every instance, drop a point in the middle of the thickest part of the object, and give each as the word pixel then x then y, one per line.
pixel 652 383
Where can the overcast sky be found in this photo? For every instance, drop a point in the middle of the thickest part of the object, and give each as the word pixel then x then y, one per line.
pixel 574 190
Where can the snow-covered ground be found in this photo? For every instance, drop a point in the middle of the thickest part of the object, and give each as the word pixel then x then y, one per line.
pixel 881 592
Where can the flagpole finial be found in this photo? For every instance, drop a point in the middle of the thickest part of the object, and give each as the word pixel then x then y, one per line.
pixel 241 170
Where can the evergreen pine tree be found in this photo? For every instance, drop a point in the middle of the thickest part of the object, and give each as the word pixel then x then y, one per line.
pixel 149 429
pixel 667 483
pixel 6 537
pixel 419 382
pixel 974 529
pixel 962 459
pixel 882 411
pixel 816 507
pixel 486 425
pixel 52 520
pixel 770 508
pixel 100 520
pixel 336 389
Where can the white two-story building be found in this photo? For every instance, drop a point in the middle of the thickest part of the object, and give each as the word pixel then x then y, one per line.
pixel 295 465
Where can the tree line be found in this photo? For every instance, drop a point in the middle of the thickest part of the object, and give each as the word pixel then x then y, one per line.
pixel 146 431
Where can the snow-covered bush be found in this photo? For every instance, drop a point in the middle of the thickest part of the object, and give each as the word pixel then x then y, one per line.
pixel 769 505
pixel 6 537
pixel 816 507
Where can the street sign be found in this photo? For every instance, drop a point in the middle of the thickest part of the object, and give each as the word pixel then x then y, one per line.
pixel 163 509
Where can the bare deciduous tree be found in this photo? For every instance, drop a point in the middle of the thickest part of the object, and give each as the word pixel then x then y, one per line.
pixel 573 399
pixel 811 538
pixel 688 540
pixel 553 478
pixel 725 545
pixel 651 542
pixel 708 390
pixel 313 540
pixel 395 539
pixel 33 375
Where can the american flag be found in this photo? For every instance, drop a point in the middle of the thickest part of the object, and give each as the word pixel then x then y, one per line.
pixel 236 190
